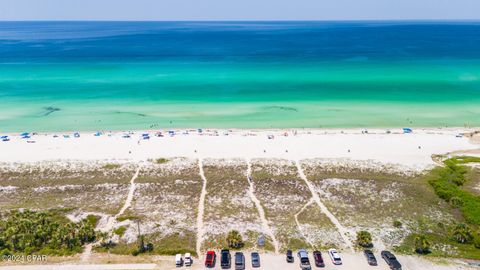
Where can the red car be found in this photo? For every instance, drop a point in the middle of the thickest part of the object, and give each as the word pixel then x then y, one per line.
pixel 210 259
pixel 318 259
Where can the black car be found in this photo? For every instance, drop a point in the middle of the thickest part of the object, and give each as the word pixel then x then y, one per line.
pixel 255 259
pixel 370 257
pixel 239 261
pixel 225 259
pixel 290 258
pixel 391 260
pixel 317 256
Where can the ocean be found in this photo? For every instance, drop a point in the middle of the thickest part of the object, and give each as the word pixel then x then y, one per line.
pixel 79 76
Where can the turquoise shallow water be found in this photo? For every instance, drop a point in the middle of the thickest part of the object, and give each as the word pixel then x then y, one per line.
pixel 91 76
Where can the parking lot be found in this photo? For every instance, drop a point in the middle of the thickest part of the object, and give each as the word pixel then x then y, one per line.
pixel 355 261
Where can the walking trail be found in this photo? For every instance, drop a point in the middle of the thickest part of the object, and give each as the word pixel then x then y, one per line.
pixel 201 209
pixel 298 223
pixel 343 232
pixel 261 212
pixel 111 221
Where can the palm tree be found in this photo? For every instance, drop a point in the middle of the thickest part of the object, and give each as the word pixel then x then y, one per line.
pixel 422 245
pixel 234 239
pixel 462 233
pixel 364 239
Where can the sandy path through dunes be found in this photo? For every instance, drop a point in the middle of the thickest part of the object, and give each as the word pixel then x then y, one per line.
pixel 261 212
pixel 300 226
pixel 201 210
pixel 111 221
pixel 343 232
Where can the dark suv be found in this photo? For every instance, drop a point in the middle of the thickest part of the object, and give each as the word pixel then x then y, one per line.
pixel 391 260
pixel 370 257
pixel 225 259
pixel 290 258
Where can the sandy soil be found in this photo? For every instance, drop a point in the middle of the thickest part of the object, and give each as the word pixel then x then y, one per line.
pixel 413 150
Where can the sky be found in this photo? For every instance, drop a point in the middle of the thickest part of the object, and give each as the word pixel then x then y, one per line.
pixel 239 10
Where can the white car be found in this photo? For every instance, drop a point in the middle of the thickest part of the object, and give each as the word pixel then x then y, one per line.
pixel 334 256
pixel 178 260
pixel 188 259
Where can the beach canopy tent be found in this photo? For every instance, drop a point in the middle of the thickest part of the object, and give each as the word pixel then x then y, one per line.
pixel 171 132
pixel 407 130
pixel 25 134
pixel 76 135
pixel 97 134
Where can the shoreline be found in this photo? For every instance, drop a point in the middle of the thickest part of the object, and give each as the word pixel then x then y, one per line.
pixel 397 129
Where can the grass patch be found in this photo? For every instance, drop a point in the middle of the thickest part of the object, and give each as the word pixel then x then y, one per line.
pixel 120 231
pixel 127 217
pixel 93 220
pixel 160 160
pixel 111 166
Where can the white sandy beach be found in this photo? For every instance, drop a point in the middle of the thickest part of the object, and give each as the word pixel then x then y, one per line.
pixel 412 150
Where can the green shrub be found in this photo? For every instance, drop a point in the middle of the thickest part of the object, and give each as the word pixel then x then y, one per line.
pixel 462 234
pixel 446 182
pixel 111 166
pixel 397 224
pixel 234 239
pixel 422 245
pixel 28 232
pixel 120 231
pixel 161 160
pixel 364 239
pixel 93 220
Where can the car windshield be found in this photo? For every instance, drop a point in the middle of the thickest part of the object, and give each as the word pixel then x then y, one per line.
pixel 209 257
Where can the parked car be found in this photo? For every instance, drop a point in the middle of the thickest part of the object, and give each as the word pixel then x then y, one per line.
pixel 334 256
pixel 225 259
pixel 317 256
pixel 210 259
pixel 370 257
pixel 304 261
pixel 255 259
pixel 188 261
pixel 391 260
pixel 239 261
pixel 178 260
pixel 290 258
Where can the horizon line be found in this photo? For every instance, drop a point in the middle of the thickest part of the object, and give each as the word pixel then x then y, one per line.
pixel 247 20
